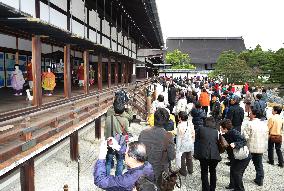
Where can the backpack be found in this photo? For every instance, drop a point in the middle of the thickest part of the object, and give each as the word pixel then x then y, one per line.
pixel 261 108
pixel 121 96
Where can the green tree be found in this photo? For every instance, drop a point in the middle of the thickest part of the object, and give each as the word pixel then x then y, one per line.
pixel 179 60
pixel 277 71
pixel 230 66
pixel 261 62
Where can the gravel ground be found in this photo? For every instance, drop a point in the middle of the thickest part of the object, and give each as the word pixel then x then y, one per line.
pixel 58 169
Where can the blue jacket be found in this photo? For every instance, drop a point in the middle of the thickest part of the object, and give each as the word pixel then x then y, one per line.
pixel 125 182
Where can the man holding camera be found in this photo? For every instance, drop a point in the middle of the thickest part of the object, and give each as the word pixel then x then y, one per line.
pixel 135 159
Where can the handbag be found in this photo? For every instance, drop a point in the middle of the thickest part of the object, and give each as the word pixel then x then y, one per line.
pixel 222 144
pixel 168 179
pixel 241 153
pixel 275 138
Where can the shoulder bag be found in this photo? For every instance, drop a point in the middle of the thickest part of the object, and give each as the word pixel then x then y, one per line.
pixel 241 153
pixel 222 144
pixel 275 138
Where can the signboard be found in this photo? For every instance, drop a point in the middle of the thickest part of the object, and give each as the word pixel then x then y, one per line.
pixel 2 72
pixel 22 63
pixel 9 65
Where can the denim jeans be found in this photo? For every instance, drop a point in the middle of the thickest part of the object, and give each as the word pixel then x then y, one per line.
pixel 119 162
pixel 257 161
pixel 271 152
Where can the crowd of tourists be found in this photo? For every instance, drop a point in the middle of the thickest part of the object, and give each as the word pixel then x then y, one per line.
pixel 192 118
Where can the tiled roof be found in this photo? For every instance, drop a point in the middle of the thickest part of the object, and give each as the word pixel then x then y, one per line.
pixel 205 50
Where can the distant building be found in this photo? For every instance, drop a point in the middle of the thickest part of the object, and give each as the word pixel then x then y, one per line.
pixel 204 51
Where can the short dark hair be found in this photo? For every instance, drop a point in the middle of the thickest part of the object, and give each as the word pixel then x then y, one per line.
pixel 204 90
pixel 183 115
pixel 118 107
pixel 226 124
pixel 182 94
pixel 256 113
pixel 277 109
pixel 137 150
pixel 160 98
pixel 161 117
pixel 236 98
pixel 210 122
pixel 263 90
pixel 258 96
pixel 197 105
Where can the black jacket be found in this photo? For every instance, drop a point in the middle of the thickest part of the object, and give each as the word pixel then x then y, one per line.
pixel 198 116
pixel 216 110
pixel 172 95
pixel 234 136
pixel 236 115
pixel 206 144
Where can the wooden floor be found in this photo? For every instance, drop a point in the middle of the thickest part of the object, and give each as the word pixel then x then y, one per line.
pixel 9 102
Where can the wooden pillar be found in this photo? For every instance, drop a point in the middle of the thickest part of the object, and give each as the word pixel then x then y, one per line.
pixel 98 126
pixel 27 176
pixel 133 76
pixel 100 81
pixel 74 148
pixel 122 72
pixel 109 72
pixel 67 72
pixel 116 73
pixel 86 72
pixel 36 69
pixel 126 71
pixel 17 53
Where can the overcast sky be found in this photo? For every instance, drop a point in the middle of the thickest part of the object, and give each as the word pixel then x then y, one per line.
pixel 258 21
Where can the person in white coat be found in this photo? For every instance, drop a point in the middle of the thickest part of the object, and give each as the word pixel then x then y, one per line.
pixel 256 134
pixel 181 104
pixel 184 144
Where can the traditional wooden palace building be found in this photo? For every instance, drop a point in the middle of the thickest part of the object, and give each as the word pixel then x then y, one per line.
pixel 60 63
pixel 204 51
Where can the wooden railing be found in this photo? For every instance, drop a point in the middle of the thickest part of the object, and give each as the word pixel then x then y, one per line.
pixel 25 133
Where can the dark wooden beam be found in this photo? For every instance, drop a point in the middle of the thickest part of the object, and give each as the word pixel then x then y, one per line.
pixel 109 72
pixel 36 69
pixel 67 72
pixel 86 72
pixel 68 15
pixel 100 80
pixel 116 73
pixel 98 128
pixel 37 8
pixel 74 148
pixel 27 176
